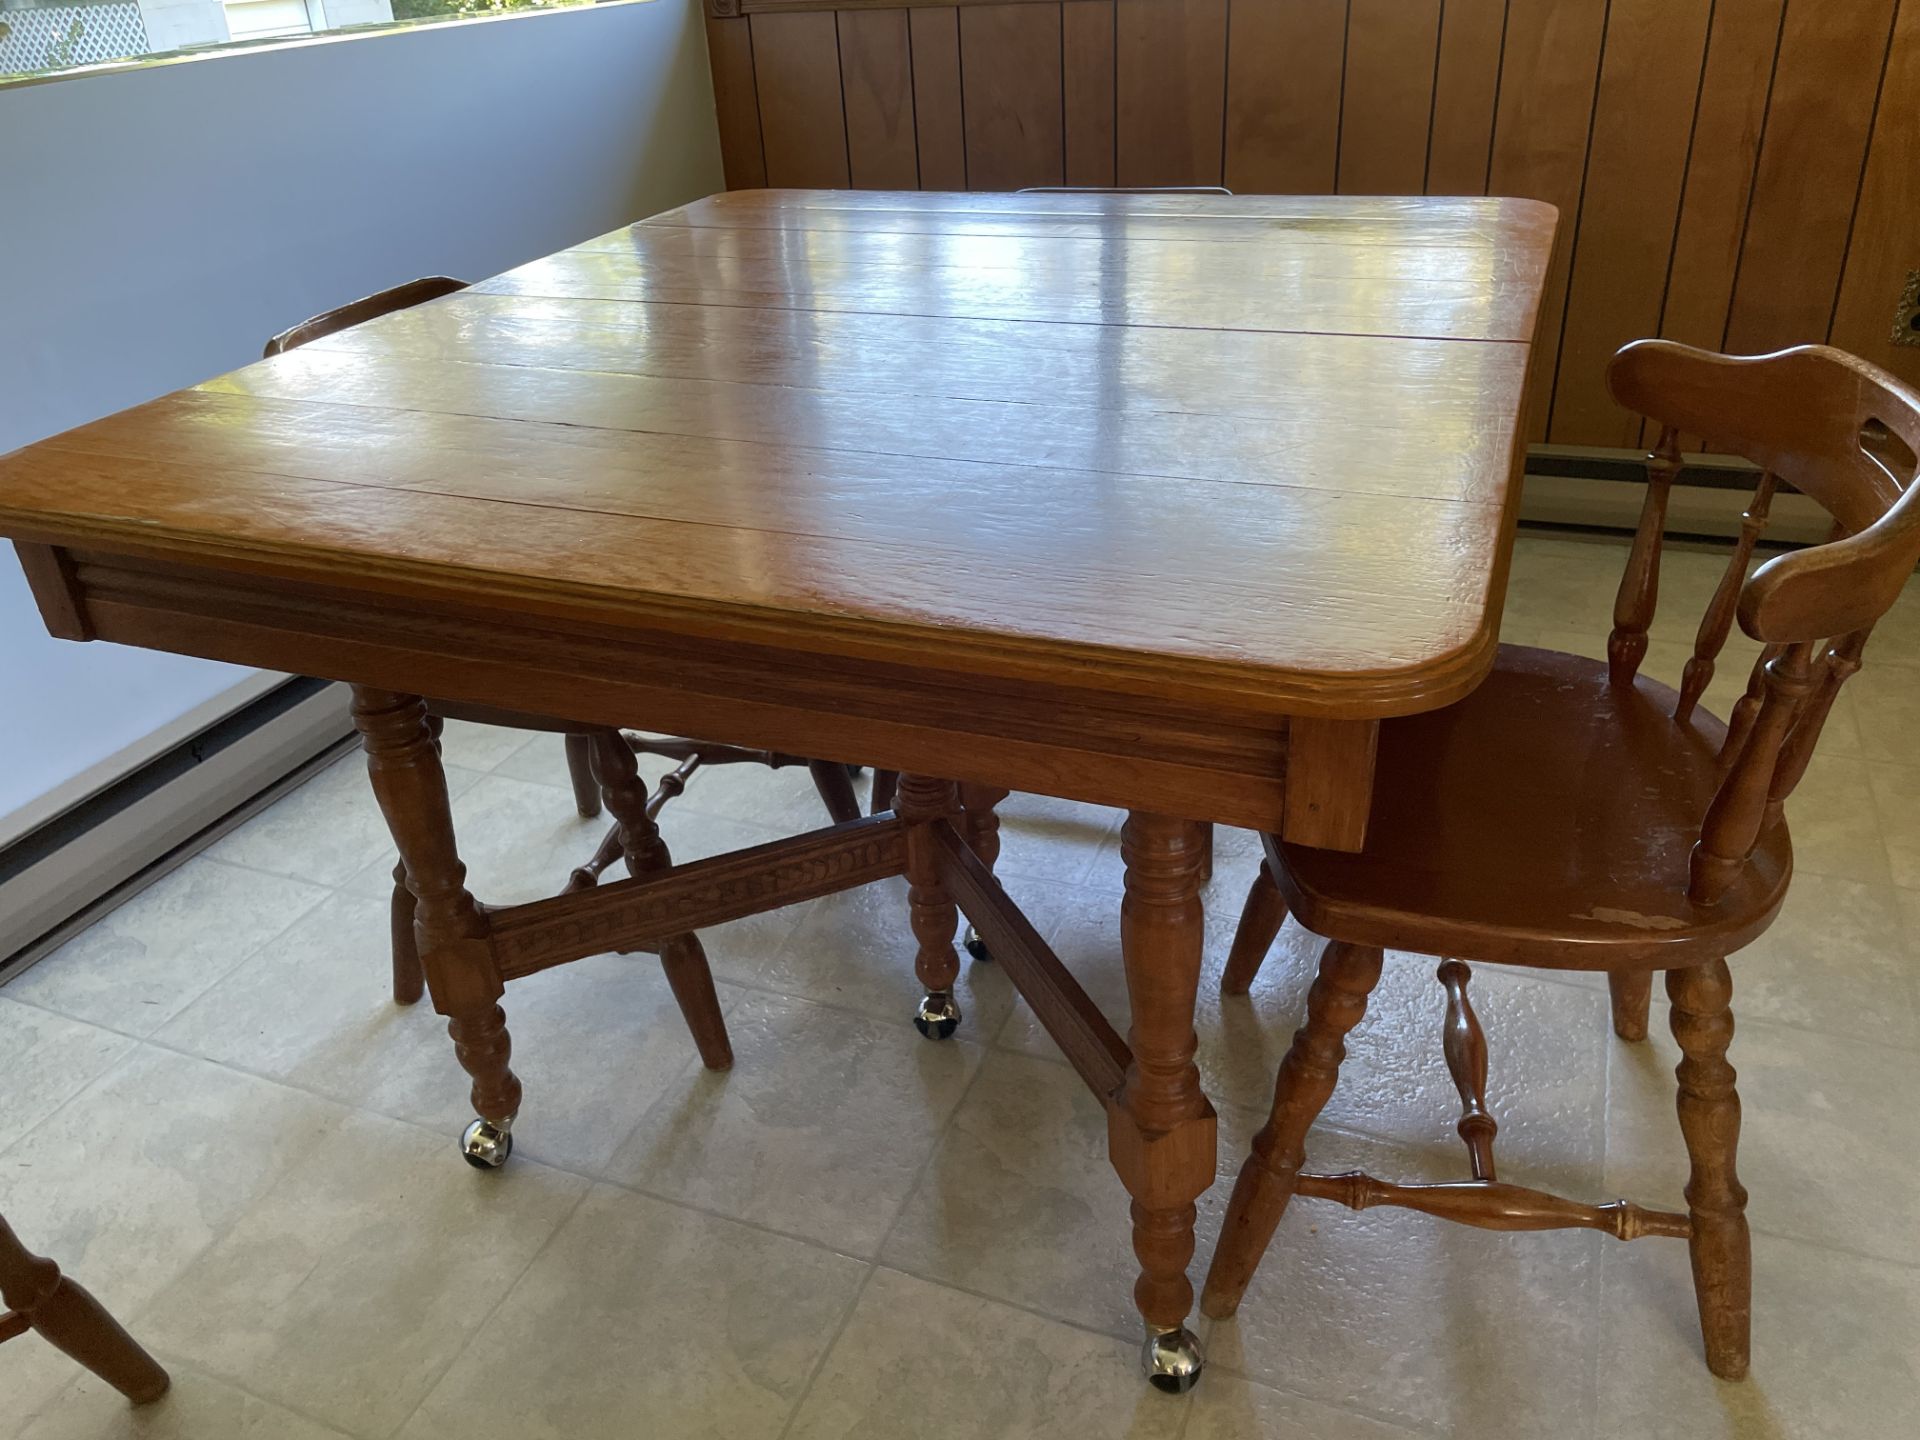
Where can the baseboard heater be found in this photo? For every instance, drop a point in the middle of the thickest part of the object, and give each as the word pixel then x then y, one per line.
pixel 1582 489
pixel 74 866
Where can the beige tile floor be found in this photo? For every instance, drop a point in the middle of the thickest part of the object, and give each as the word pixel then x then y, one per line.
pixel 210 1113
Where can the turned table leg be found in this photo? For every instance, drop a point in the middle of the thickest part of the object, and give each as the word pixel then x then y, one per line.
pixel 63 1314
pixel 1160 1128
pixel 450 929
pixel 978 804
pixel 683 957
pixel 934 916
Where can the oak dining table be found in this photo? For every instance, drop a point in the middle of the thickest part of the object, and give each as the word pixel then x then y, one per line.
pixel 1161 502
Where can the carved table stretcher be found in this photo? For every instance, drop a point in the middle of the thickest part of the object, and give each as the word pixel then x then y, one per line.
pixel 1158 502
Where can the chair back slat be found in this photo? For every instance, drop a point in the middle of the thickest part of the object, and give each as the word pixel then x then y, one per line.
pixel 1848 436
pixel 1639 595
pixel 358 312
pixel 1718 621
pixel 1817 417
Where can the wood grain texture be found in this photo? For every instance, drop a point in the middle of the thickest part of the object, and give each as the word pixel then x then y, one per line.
pixel 1466 82
pixel 1011 82
pixel 939 115
pixel 1540 143
pixel 876 69
pixel 796 64
pixel 1170 79
pixel 735 101
pixel 1087 38
pixel 1885 247
pixel 1285 69
pixel 1636 167
pixel 1808 178
pixel 1387 105
pixel 1734 86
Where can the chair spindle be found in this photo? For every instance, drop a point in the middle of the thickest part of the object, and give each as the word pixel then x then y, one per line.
pixel 1639 593
pixel 1718 622
pixel 1841 664
pixel 1465 1044
pixel 1732 826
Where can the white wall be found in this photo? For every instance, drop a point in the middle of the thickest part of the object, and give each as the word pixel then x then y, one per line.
pixel 161 223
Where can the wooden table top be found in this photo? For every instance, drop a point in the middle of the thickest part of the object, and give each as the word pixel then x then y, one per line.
pixel 1263 449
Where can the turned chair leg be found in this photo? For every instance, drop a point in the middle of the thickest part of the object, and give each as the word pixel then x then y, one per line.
pixel 1632 993
pixel 38 1297
pixel 1335 1005
pixel 1260 921
pixel 409 980
pixel 1710 1119
pixel 981 823
pixel 683 957
pixel 586 789
pixel 836 790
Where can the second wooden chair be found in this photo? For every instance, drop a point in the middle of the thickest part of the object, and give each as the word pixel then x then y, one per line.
pixel 1575 815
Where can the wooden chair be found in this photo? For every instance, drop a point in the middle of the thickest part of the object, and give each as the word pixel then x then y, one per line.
pixel 38 1297
pixel 600 763
pixel 1573 814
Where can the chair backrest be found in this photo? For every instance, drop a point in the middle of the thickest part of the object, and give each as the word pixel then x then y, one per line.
pixel 1845 434
pixel 1124 190
pixel 372 307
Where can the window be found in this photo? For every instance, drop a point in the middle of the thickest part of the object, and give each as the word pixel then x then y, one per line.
pixel 39 37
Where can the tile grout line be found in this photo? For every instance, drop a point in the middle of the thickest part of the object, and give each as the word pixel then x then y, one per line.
pixel 506 1294
pixel 880 1247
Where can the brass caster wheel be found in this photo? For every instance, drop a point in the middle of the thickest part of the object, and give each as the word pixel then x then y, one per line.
pixel 976 945
pixel 486 1146
pixel 1173 1360
pixel 938 1017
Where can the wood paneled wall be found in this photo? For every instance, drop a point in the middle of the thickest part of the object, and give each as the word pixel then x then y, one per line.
pixel 1740 174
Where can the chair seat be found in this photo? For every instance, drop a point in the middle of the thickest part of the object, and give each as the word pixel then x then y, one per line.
pixel 1547 820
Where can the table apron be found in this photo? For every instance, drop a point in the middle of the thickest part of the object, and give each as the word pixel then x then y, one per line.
pixel 1064 740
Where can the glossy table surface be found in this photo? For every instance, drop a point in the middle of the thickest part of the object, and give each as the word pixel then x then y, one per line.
pixel 1260 451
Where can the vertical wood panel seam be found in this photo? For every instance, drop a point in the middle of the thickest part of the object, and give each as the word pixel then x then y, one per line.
pixel 1340 106
pixel 1226 98
pixel 913 101
pixel 1579 213
pixel 1433 98
pixel 1499 79
pixel 1062 8
pixel 1866 157
pixel 960 72
pixel 1753 181
pixel 1686 170
pixel 840 72
pixel 759 110
pixel 1115 7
